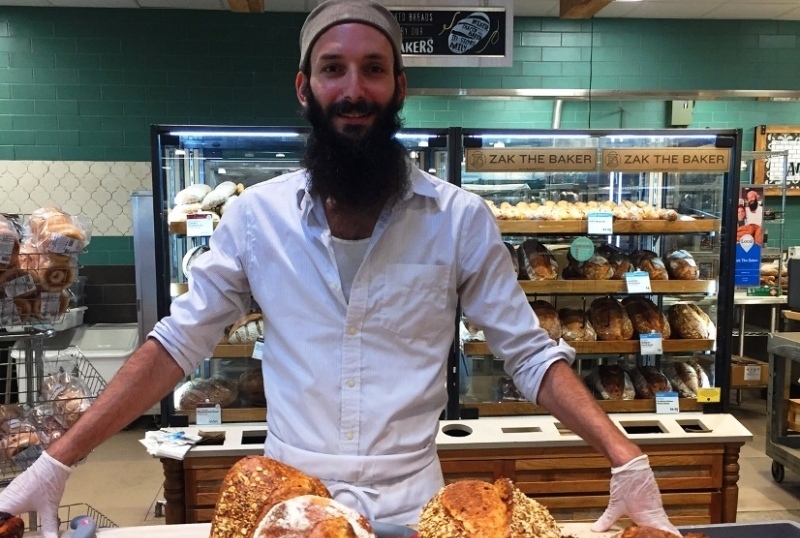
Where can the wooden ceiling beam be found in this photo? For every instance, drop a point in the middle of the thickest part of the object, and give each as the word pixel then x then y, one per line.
pixel 246 6
pixel 581 9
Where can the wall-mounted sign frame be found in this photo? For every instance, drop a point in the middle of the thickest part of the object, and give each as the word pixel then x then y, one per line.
pixel 456 33
pixel 778 138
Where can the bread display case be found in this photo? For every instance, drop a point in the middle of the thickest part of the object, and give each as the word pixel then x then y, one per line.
pixel 619 239
pixel 198 171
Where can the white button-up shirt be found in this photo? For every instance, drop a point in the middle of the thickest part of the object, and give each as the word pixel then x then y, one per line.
pixel 356 388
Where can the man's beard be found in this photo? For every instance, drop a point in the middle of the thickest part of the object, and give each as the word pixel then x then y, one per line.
pixel 752 205
pixel 358 171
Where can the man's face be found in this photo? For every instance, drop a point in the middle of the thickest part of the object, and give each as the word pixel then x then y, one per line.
pixel 351 76
pixel 752 200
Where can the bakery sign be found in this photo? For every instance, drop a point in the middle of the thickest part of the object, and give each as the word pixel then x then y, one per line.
pixel 531 160
pixel 456 33
pixel 769 171
pixel 666 160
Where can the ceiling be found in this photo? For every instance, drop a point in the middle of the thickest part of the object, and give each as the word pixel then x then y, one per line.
pixel 646 9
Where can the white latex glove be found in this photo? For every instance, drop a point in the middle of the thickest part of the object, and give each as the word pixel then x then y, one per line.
pixel 634 493
pixel 39 488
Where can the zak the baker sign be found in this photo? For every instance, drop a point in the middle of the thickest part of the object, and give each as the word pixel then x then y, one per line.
pixel 449 34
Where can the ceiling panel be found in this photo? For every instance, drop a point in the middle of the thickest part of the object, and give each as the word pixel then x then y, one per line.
pixel 761 10
pixel 793 15
pixel 663 10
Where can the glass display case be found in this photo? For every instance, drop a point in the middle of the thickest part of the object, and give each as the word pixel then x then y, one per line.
pixel 211 158
pixel 603 226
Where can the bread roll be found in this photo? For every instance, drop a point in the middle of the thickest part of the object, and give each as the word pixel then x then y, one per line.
pixel 648 261
pixel 648 380
pixel 548 318
pixel 198 391
pixel 251 488
pixel 219 195
pixel 681 266
pixel 689 321
pixel 311 516
pixel 193 194
pixel 576 326
pixel 473 508
pixel 610 382
pixel 540 264
pixel 645 316
pixel 609 319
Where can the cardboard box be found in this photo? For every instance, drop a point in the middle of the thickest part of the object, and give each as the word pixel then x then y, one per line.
pixel 746 372
pixel 793 420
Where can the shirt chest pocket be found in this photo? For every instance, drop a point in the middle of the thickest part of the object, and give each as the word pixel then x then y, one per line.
pixel 413 299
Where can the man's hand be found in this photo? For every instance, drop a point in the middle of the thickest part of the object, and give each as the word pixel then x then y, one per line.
pixel 634 493
pixel 39 488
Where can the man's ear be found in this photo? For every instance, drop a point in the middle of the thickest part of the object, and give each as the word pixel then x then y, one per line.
pixel 300 84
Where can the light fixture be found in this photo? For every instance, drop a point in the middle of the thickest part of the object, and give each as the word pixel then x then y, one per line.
pixel 249 134
pixel 222 171
pixel 280 155
pixel 499 145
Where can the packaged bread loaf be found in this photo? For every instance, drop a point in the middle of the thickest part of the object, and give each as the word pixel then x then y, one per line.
pixel 703 379
pixel 9 244
pixel 609 319
pixel 683 378
pixel 688 320
pixel 51 231
pixel 514 257
pixel 645 316
pixel 595 268
pixel 619 261
pixel 610 382
pixel 251 387
pixel 539 262
pixel 648 261
pixel 648 380
pixel 681 266
pixel 576 326
pixel 548 318
pixel 213 390
pixel 50 272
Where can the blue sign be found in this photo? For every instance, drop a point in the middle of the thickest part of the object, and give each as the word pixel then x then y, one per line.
pixel 748 262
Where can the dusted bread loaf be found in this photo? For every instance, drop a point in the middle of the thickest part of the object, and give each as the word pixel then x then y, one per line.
pixel 575 326
pixel 251 488
pixel 645 316
pixel 648 380
pixel 247 329
pixel 540 264
pixel 609 319
pixel 548 318
pixel 681 266
pixel 610 382
pixel 689 321
pixel 619 261
pixel 472 509
pixel 648 261
pixel 311 516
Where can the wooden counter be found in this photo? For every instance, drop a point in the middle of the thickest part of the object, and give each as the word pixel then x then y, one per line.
pixel 694 456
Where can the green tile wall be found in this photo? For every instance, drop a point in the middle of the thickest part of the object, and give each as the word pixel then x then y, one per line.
pixel 85 84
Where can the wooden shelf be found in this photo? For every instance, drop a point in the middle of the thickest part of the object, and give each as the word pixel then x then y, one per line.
pixel 616 346
pixel 545 227
pixel 233 350
pixel 493 409
pixel 602 287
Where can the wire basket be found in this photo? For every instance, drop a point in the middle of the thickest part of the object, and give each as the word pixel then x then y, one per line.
pixel 41 399
pixel 67 512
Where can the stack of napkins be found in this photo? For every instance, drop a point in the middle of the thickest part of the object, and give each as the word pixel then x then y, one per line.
pixel 169 443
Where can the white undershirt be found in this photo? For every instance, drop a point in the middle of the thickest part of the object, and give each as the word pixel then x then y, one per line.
pixel 349 257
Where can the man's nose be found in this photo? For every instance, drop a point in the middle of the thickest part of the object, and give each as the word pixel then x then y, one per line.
pixel 353 85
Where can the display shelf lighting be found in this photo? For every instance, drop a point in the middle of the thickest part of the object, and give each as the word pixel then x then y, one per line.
pixel 248 134
pixel 490 136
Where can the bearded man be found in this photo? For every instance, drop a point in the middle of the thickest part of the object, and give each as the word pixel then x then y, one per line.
pixel 359 262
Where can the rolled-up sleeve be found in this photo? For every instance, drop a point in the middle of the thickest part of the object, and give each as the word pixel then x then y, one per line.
pixel 493 300
pixel 218 294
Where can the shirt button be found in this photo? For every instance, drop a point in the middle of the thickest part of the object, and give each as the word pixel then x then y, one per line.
pixel 350 436
pixel 351 331
pixel 334 285
pixel 351 383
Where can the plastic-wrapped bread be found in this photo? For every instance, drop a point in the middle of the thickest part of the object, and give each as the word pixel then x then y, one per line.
pixel 540 264
pixel 648 380
pixel 609 319
pixel 514 257
pixel 648 261
pixel 595 268
pixel 703 380
pixel 681 266
pixel 548 318
pixel 199 391
pixel 645 316
pixel 689 321
pixel 9 244
pixel 683 379
pixel 619 261
pixel 575 326
pixel 610 382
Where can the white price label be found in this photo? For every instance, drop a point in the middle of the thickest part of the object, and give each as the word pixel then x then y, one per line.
pixel 62 244
pixel 8 313
pixel 199 224
pixel 209 415
pixel 20 286
pixel 258 349
pixel 638 282
pixel 7 244
pixel 667 403
pixel 600 223
pixel 651 344
pixel 752 372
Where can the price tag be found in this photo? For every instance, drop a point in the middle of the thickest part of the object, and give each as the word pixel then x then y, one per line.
pixel 258 349
pixel 638 282
pixel 20 286
pixel 51 301
pixel 62 244
pixel 600 223
pixel 650 344
pixel 581 249
pixel 752 372
pixel 209 415
pixel 199 224
pixel 7 244
pixel 711 395
pixel 8 313
pixel 667 403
